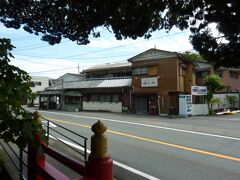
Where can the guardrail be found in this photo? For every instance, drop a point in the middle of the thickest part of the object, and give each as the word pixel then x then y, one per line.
pixel 41 168
pixel 82 141
pixel 98 166
pixel 15 156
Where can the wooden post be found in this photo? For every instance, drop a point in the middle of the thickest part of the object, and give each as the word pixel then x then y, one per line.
pixel 100 164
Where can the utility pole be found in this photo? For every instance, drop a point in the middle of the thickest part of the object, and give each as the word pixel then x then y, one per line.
pixel 78 69
pixel 62 96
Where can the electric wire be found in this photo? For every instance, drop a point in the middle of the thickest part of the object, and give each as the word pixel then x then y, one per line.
pixel 115 47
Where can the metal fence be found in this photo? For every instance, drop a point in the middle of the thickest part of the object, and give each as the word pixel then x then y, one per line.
pixel 60 131
pixel 54 131
pixel 15 156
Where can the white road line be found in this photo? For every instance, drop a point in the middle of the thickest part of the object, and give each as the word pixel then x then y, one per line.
pixel 140 173
pixel 148 125
pixel 50 124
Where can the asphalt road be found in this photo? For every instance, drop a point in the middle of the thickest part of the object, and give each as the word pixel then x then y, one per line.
pixel 195 148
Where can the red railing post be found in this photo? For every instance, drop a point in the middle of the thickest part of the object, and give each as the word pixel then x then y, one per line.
pixel 99 164
pixel 33 157
pixel 32 164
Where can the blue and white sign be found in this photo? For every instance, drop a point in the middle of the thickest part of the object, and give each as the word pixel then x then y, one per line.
pixel 199 90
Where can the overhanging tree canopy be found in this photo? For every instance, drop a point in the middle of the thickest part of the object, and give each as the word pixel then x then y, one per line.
pixel 76 20
pixel 16 124
pixel 191 56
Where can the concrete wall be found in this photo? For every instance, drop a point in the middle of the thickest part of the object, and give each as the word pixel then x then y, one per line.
pixel 224 103
pixel 199 109
pixel 103 106
pixel 71 107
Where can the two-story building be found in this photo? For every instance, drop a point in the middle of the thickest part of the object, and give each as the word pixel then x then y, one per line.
pixel 230 76
pixel 104 87
pixel 109 70
pixel 147 83
pixel 158 78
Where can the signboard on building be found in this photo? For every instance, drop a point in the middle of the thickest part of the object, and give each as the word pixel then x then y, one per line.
pixel 199 90
pixel 149 82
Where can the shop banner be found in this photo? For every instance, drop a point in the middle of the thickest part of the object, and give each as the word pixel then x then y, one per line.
pixel 199 90
pixel 149 82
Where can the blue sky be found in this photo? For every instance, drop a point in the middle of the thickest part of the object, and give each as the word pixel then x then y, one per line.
pixel 40 59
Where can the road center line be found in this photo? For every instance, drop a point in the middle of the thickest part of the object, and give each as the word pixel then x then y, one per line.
pixel 148 125
pixel 222 156
pixel 128 168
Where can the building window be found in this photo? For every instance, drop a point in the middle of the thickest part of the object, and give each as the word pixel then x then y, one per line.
pixel 219 73
pixel 34 83
pixel 38 83
pixel 202 74
pixel 140 70
pixel 105 98
pixel 233 75
pixel 144 70
pixel 93 97
pixel 43 99
pixel 72 100
pixel 115 98
pixel 137 71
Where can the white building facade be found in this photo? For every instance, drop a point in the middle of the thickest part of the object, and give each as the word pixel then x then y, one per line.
pixel 38 83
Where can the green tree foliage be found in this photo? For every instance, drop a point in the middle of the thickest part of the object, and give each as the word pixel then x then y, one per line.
pixel 192 56
pixel 222 47
pixel 31 99
pixel 213 83
pixel 216 101
pixel 16 124
pixel 231 100
pixel 76 20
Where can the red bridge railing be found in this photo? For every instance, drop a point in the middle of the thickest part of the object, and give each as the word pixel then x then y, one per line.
pixel 97 167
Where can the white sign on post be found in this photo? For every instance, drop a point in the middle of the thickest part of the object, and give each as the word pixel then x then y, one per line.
pixel 149 82
pixel 199 90
pixel 185 105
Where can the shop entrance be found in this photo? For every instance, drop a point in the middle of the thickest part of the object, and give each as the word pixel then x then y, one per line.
pixel 141 104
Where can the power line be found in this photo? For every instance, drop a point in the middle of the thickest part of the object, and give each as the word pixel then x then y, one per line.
pixel 36 47
pixel 53 70
pixel 30 47
pixel 74 56
pixel 126 44
pixel 106 49
pixel 39 45
pixel 38 62
pixel 97 57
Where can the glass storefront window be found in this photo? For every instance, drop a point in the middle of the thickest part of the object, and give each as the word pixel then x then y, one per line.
pixel 115 98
